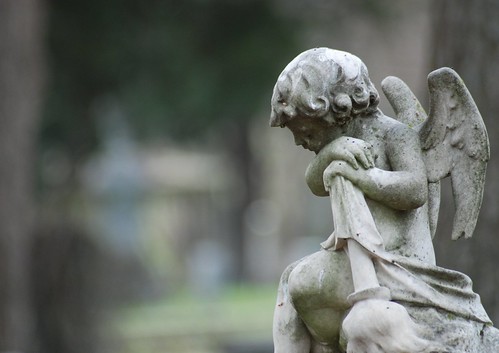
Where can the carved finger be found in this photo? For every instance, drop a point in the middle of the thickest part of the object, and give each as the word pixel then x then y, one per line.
pixel 363 157
pixel 363 154
pixel 351 159
pixel 331 171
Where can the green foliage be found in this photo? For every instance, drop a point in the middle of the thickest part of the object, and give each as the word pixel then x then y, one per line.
pixel 174 67
pixel 186 323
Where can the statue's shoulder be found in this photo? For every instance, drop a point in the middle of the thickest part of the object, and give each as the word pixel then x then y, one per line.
pixel 392 128
pixel 390 122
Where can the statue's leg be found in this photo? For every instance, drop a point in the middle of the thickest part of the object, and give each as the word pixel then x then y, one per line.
pixel 289 331
pixel 319 286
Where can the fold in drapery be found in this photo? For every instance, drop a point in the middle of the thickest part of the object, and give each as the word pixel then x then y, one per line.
pixel 423 284
pixel 352 218
pixel 409 280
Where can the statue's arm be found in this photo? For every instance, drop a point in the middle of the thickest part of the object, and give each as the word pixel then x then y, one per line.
pixel 314 172
pixel 404 187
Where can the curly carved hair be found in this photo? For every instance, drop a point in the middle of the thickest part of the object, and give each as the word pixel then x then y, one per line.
pixel 322 80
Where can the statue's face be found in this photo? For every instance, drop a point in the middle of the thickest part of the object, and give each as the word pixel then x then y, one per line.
pixel 309 131
pixel 312 133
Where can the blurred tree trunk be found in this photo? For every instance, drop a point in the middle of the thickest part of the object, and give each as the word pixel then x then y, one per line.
pixel 466 38
pixel 247 171
pixel 20 98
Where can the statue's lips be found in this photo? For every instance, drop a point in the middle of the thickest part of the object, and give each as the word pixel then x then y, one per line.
pixel 307 146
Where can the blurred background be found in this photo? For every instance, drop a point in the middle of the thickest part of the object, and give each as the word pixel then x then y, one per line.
pixel 146 206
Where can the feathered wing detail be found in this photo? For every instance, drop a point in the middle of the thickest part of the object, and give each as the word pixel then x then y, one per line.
pixel 409 111
pixel 454 142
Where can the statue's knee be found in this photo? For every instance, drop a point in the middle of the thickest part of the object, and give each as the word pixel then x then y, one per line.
pixel 321 279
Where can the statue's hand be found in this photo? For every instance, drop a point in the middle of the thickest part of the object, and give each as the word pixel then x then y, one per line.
pixel 341 168
pixel 353 152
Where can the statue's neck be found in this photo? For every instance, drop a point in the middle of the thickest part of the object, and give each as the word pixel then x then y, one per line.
pixel 356 126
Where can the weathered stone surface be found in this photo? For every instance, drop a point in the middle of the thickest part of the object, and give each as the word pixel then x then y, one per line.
pixel 375 287
pixel 456 334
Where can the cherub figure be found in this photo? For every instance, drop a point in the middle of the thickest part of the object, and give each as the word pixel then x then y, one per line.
pixel 382 176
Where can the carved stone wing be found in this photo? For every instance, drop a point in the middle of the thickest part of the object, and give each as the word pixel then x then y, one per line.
pixel 407 108
pixel 454 143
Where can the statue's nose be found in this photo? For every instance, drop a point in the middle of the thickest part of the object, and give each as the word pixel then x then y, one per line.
pixel 278 119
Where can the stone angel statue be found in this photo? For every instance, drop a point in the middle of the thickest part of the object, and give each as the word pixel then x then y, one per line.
pixel 374 285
